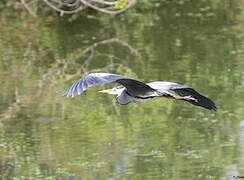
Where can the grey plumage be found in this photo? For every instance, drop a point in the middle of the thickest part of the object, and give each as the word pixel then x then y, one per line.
pixel 90 80
pixel 133 90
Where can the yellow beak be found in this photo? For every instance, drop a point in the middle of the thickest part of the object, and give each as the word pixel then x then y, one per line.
pixel 107 91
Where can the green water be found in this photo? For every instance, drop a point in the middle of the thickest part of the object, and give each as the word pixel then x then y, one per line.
pixel 46 136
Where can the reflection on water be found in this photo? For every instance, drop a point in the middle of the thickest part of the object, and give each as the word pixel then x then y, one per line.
pixel 46 136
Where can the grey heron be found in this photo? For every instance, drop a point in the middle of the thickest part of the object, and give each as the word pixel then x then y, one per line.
pixel 131 90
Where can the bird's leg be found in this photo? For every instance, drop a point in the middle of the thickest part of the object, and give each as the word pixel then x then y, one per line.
pixel 186 98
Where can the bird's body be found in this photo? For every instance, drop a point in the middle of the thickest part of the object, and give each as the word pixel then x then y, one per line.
pixel 124 98
pixel 135 91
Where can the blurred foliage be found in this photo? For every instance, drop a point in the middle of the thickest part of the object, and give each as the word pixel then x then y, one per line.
pixel 46 136
pixel 121 4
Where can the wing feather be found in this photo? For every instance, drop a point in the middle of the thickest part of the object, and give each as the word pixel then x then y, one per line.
pixel 202 101
pixel 137 88
pixel 89 80
pixel 184 90
pixel 133 87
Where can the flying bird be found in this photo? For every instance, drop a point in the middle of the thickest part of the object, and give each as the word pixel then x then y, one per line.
pixel 131 90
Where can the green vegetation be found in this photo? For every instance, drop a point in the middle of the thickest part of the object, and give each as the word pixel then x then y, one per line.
pixel 46 136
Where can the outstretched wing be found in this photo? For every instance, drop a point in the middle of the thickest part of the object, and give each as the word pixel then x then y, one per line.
pixel 183 90
pixel 90 80
pixel 164 86
pixel 201 100
pixel 133 87
pixel 136 88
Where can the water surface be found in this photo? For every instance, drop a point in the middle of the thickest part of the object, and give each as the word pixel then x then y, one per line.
pixel 46 136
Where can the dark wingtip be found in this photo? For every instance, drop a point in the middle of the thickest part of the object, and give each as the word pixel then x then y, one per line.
pixel 207 103
pixel 204 102
pixel 213 108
